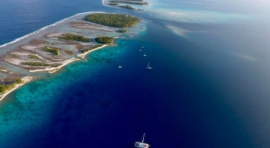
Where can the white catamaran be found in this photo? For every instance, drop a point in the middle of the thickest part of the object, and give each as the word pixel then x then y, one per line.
pixel 141 144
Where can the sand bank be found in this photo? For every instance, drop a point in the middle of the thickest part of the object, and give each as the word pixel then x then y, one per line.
pixel 37 42
pixel 54 69
pixel 54 35
pixel 90 26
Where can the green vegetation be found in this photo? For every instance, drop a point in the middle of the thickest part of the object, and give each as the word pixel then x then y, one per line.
pixel 6 87
pixel 114 20
pixel 138 2
pixel 40 64
pixel 19 81
pixel 91 48
pixel 52 50
pixel 105 40
pixel 127 7
pixel 74 37
pixel 113 4
pixel 34 57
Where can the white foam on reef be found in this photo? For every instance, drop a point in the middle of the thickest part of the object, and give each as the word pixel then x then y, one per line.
pixel 104 3
pixel 21 38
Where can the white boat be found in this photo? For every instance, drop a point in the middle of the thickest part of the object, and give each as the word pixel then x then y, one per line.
pixel 144 55
pixel 119 66
pixel 148 66
pixel 140 49
pixel 141 144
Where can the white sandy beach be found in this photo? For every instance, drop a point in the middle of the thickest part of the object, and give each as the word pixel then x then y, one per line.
pixel 54 69
pixel 25 80
pixel 82 55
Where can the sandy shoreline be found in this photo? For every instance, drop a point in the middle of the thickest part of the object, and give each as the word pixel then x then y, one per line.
pixel 25 80
pixel 54 69
pixel 82 55
pixel 64 64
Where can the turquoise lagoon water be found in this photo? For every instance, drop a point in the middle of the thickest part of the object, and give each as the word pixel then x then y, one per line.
pixel 209 88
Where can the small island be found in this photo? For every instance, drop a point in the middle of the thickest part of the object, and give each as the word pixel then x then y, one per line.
pixel 40 64
pixel 74 37
pixel 54 47
pixel 113 4
pixel 91 48
pixel 51 50
pixel 135 2
pixel 123 4
pixel 113 20
pixel 127 7
pixel 105 40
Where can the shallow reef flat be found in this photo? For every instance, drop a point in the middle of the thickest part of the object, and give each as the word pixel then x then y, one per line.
pixel 52 47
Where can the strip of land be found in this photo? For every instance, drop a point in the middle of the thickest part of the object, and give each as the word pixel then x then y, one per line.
pixel 82 55
pixel 135 2
pixel 126 4
pixel 51 51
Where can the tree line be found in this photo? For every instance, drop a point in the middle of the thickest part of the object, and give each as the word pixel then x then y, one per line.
pixel 74 37
pixel 41 64
pixel 52 50
pixel 105 40
pixel 91 48
pixel 6 87
pixel 114 20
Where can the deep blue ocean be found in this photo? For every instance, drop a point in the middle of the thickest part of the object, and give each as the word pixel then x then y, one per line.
pixel 208 89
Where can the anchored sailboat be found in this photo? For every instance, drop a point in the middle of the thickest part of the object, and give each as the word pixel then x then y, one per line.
pixel 148 66
pixel 144 55
pixel 141 48
pixel 141 144
pixel 119 66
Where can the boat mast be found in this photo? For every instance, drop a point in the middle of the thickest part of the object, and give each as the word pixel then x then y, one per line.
pixel 143 137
